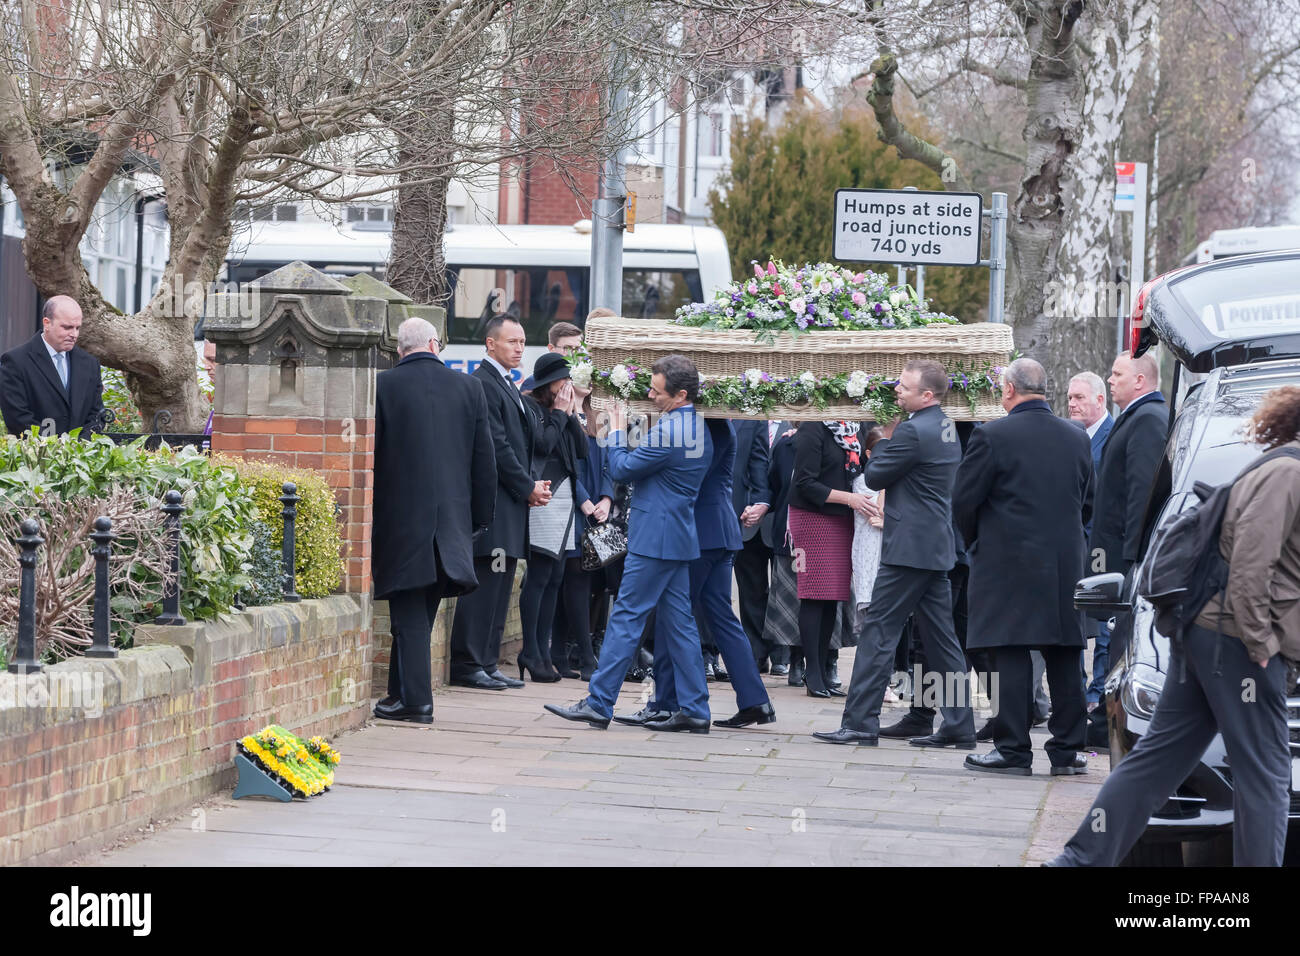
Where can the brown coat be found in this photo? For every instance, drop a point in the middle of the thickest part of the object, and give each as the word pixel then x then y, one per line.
pixel 1260 541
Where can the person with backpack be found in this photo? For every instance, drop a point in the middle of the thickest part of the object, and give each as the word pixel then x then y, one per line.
pixel 1232 602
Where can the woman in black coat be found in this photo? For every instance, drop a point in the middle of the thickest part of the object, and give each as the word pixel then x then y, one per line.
pixel 562 441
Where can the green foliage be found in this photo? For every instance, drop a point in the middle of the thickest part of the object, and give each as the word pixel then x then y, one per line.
pixel 776 199
pixel 318 563
pixel 267 568
pixel 118 400
pixel 215 541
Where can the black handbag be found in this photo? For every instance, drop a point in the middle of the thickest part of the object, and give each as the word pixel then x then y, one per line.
pixel 602 544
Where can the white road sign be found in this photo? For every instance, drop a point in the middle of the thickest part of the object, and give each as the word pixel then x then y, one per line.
pixel 907 226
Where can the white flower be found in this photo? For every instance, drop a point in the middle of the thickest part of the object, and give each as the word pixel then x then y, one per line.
pixel 824 288
pixel 809 379
pixel 887 307
pixel 581 374
pixel 753 376
pixel 798 306
pixel 857 384
pixel 897 298
pixel 619 378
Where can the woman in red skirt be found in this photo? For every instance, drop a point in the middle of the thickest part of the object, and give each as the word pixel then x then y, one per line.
pixel 826 460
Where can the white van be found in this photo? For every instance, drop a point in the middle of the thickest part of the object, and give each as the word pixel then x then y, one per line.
pixel 539 274
pixel 1225 243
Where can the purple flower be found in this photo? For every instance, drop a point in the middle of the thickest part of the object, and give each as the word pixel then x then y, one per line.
pixel 846 313
pixel 812 309
pixel 803 322
pixel 749 314
pixel 878 309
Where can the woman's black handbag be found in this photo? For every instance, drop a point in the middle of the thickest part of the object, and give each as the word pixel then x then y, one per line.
pixel 602 544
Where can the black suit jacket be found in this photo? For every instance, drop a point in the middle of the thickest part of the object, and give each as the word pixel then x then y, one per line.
pixel 434 476
pixel 1128 468
pixel 30 390
pixel 749 480
pixel 1023 494
pixel 514 437
pixel 917 468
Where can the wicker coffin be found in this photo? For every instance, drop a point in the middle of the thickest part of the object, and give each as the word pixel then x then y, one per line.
pixel 718 352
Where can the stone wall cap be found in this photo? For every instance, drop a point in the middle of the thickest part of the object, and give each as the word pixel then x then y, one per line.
pixel 297 276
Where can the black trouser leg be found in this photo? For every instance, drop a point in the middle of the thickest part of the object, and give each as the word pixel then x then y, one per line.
pixel 412 614
pixel 1015 703
pixel 1069 715
pixel 751 567
pixel 537 605
pixel 478 614
pixel 504 577
pixel 576 590
pixel 816 624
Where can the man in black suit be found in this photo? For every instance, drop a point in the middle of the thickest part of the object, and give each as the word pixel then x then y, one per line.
pixel 1128 464
pixel 752 498
pixel 481 617
pixel 916 466
pixel 49 382
pixel 434 475
pixel 1023 495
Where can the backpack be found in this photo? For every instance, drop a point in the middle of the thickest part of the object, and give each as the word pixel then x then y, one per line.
pixel 1183 569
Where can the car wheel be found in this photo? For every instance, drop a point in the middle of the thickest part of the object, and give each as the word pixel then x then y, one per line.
pixel 1148 853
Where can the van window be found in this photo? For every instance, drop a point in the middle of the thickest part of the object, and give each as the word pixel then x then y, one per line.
pixel 540 296
pixel 535 295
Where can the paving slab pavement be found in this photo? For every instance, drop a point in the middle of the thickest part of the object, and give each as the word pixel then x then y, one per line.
pixel 496 780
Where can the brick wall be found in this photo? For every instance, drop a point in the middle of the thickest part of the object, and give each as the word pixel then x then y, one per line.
pixel 91 750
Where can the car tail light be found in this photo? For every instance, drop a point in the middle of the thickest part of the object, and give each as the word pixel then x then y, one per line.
pixel 1135 324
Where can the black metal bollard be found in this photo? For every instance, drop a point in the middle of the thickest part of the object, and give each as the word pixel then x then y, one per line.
pixel 290 500
pixel 25 661
pixel 103 537
pixel 171 614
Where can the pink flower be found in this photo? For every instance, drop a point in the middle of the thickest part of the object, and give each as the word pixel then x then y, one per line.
pixel 758 270
pixel 752 288
pixel 797 288
pixel 857 278
pixel 771 268
pixel 859 299
pixel 776 288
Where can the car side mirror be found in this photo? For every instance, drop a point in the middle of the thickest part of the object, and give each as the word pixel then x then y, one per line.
pixel 1101 595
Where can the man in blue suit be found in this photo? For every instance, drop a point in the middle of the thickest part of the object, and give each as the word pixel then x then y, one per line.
pixel 666 469
pixel 1087 407
pixel 710 575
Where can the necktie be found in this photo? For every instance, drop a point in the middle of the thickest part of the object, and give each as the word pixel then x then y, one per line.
pixel 61 364
pixel 771 433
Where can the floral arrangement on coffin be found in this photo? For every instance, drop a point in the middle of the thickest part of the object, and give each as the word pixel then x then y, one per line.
pixel 783 298
pixel 756 392
pixel 304 767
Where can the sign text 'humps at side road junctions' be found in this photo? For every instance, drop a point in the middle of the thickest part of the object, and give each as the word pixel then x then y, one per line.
pixel 907 226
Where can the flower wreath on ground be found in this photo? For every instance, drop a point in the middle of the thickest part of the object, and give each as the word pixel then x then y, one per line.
pixel 305 767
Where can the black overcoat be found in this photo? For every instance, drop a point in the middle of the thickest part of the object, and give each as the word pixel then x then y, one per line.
pixel 1022 496
pixel 1129 464
pixel 434 476
pixel 30 390
pixel 514 438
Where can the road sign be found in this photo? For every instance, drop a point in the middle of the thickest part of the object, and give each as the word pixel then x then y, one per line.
pixel 907 226
pixel 629 215
pixel 1125 186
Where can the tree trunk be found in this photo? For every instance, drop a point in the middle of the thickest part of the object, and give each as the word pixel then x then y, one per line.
pixel 417 258
pixel 1063 297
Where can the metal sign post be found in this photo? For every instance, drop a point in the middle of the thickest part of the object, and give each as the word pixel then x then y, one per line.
pixel 997 260
pixel 1131 196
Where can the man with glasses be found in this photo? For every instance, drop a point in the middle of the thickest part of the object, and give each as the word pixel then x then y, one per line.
pixel 563 337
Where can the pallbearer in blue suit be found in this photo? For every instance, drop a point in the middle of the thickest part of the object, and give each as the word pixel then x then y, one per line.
pixel 666 471
pixel 719 534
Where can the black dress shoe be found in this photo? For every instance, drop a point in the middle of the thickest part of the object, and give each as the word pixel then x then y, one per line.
pixel 817 693
pixel 1078 765
pixel 508 681
pixel 994 762
pixel 678 723
pixel 846 736
pixel 780 670
pixel 582 711
pixel 642 716
pixel 985 732
pixel 833 676
pixel 834 690
pixel 1039 721
pixel 394 709
pixel 908 726
pixel 796 677
pixel 479 680
pixel 758 714
pixel 720 673
pixel 564 670
pixel 940 740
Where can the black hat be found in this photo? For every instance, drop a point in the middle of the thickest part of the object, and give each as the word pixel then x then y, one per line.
pixel 549 367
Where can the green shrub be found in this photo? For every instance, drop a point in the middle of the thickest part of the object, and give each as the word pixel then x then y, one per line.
pixel 318 561
pixel 267 569
pixel 216 543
